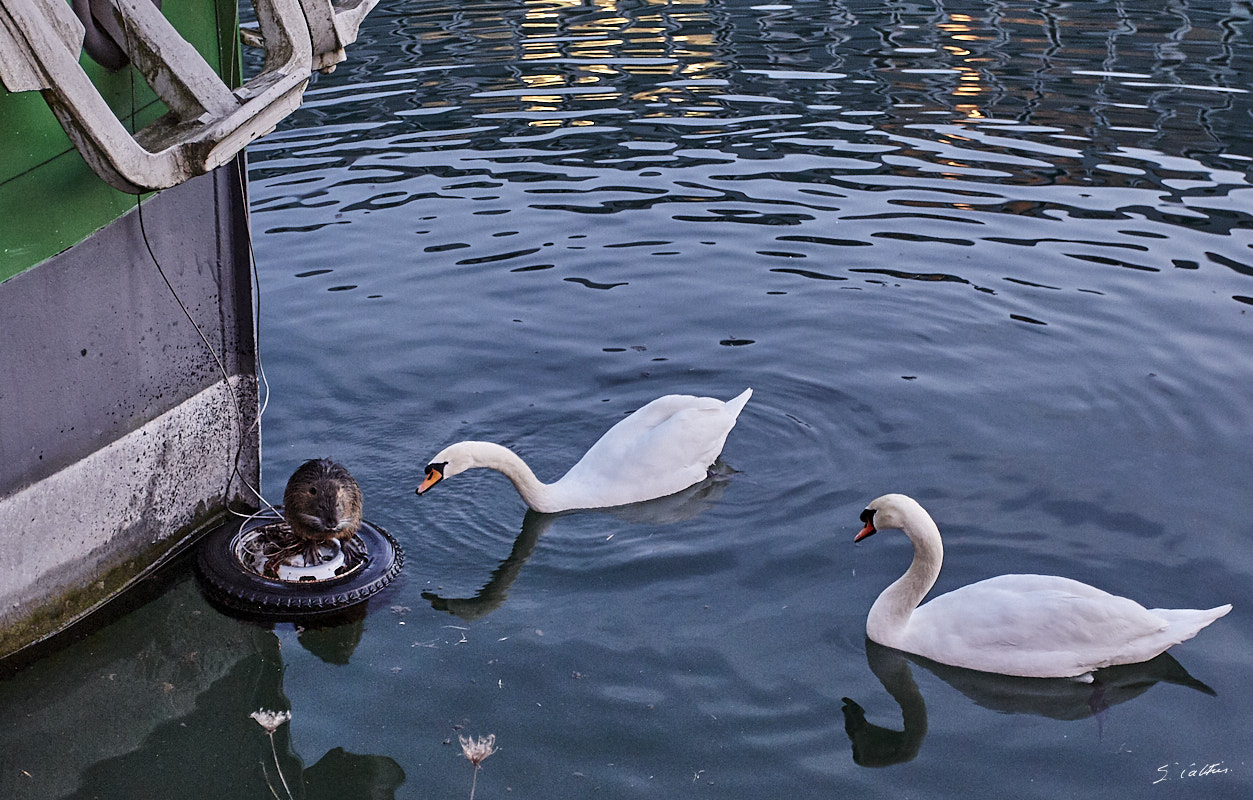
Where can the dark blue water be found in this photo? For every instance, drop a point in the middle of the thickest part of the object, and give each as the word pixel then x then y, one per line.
pixel 998 256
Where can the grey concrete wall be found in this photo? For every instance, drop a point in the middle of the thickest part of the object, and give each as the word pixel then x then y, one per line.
pixel 118 433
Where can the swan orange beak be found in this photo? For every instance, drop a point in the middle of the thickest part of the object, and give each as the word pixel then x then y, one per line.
pixel 433 476
pixel 864 532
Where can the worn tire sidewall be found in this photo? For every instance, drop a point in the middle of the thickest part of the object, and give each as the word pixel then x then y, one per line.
pixel 229 583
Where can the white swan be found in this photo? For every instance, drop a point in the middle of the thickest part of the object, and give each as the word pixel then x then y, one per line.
pixel 1035 626
pixel 662 448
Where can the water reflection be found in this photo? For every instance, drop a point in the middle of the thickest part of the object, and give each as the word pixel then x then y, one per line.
pixel 924 136
pixel 1054 698
pixel 334 638
pixel 873 206
pixel 494 593
pixel 673 508
pixel 126 708
pixel 340 774
pixel 878 746
pixel 968 59
pixel 544 69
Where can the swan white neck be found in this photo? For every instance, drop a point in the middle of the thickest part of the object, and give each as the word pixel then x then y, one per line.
pixel 889 616
pixel 542 497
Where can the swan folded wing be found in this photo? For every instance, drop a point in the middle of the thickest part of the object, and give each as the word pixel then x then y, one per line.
pixel 663 448
pixel 716 416
pixel 1038 626
pixel 669 434
pixel 658 411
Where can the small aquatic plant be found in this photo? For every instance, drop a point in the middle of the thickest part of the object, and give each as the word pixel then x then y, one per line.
pixel 270 721
pixel 476 751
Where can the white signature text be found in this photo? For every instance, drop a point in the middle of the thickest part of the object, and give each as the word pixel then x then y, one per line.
pixel 1194 770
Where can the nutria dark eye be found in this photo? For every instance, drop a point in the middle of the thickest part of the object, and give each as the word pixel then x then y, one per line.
pixel 313 490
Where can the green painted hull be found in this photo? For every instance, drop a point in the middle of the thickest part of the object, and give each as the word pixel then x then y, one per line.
pixel 123 433
pixel 49 198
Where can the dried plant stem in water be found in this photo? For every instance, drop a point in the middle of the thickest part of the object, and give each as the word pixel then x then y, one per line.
pixel 266 773
pixel 273 750
pixel 270 720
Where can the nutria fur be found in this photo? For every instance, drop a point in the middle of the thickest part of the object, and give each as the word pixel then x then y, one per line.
pixel 322 501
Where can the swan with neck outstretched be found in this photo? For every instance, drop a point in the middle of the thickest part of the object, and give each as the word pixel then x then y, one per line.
pixel 1035 626
pixel 660 449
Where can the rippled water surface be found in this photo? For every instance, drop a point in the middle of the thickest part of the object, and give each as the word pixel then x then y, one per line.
pixel 998 256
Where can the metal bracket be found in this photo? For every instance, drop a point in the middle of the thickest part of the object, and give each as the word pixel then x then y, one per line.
pixel 208 123
pixel 332 27
pixel 103 34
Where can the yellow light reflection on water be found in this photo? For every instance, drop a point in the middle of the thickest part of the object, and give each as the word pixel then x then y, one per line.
pixel 559 45
pixel 542 81
pixel 971 81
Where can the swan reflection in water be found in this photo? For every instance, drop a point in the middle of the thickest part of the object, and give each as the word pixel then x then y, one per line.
pixel 676 507
pixel 1055 698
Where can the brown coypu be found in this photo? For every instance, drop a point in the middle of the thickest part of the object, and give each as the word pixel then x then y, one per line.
pixel 322 502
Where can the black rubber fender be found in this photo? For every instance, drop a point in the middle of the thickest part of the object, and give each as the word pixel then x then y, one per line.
pixel 230 584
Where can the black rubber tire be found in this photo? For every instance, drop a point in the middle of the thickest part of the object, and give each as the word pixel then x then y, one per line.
pixel 232 585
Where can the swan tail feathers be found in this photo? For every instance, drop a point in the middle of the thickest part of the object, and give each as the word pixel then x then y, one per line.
pixel 736 404
pixel 1188 622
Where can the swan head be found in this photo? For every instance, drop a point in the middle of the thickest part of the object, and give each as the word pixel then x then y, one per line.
pixel 450 461
pixel 457 458
pixel 888 511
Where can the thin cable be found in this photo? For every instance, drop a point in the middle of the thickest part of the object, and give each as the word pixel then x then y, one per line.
pixel 237 407
pixel 236 56
pixel 263 381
